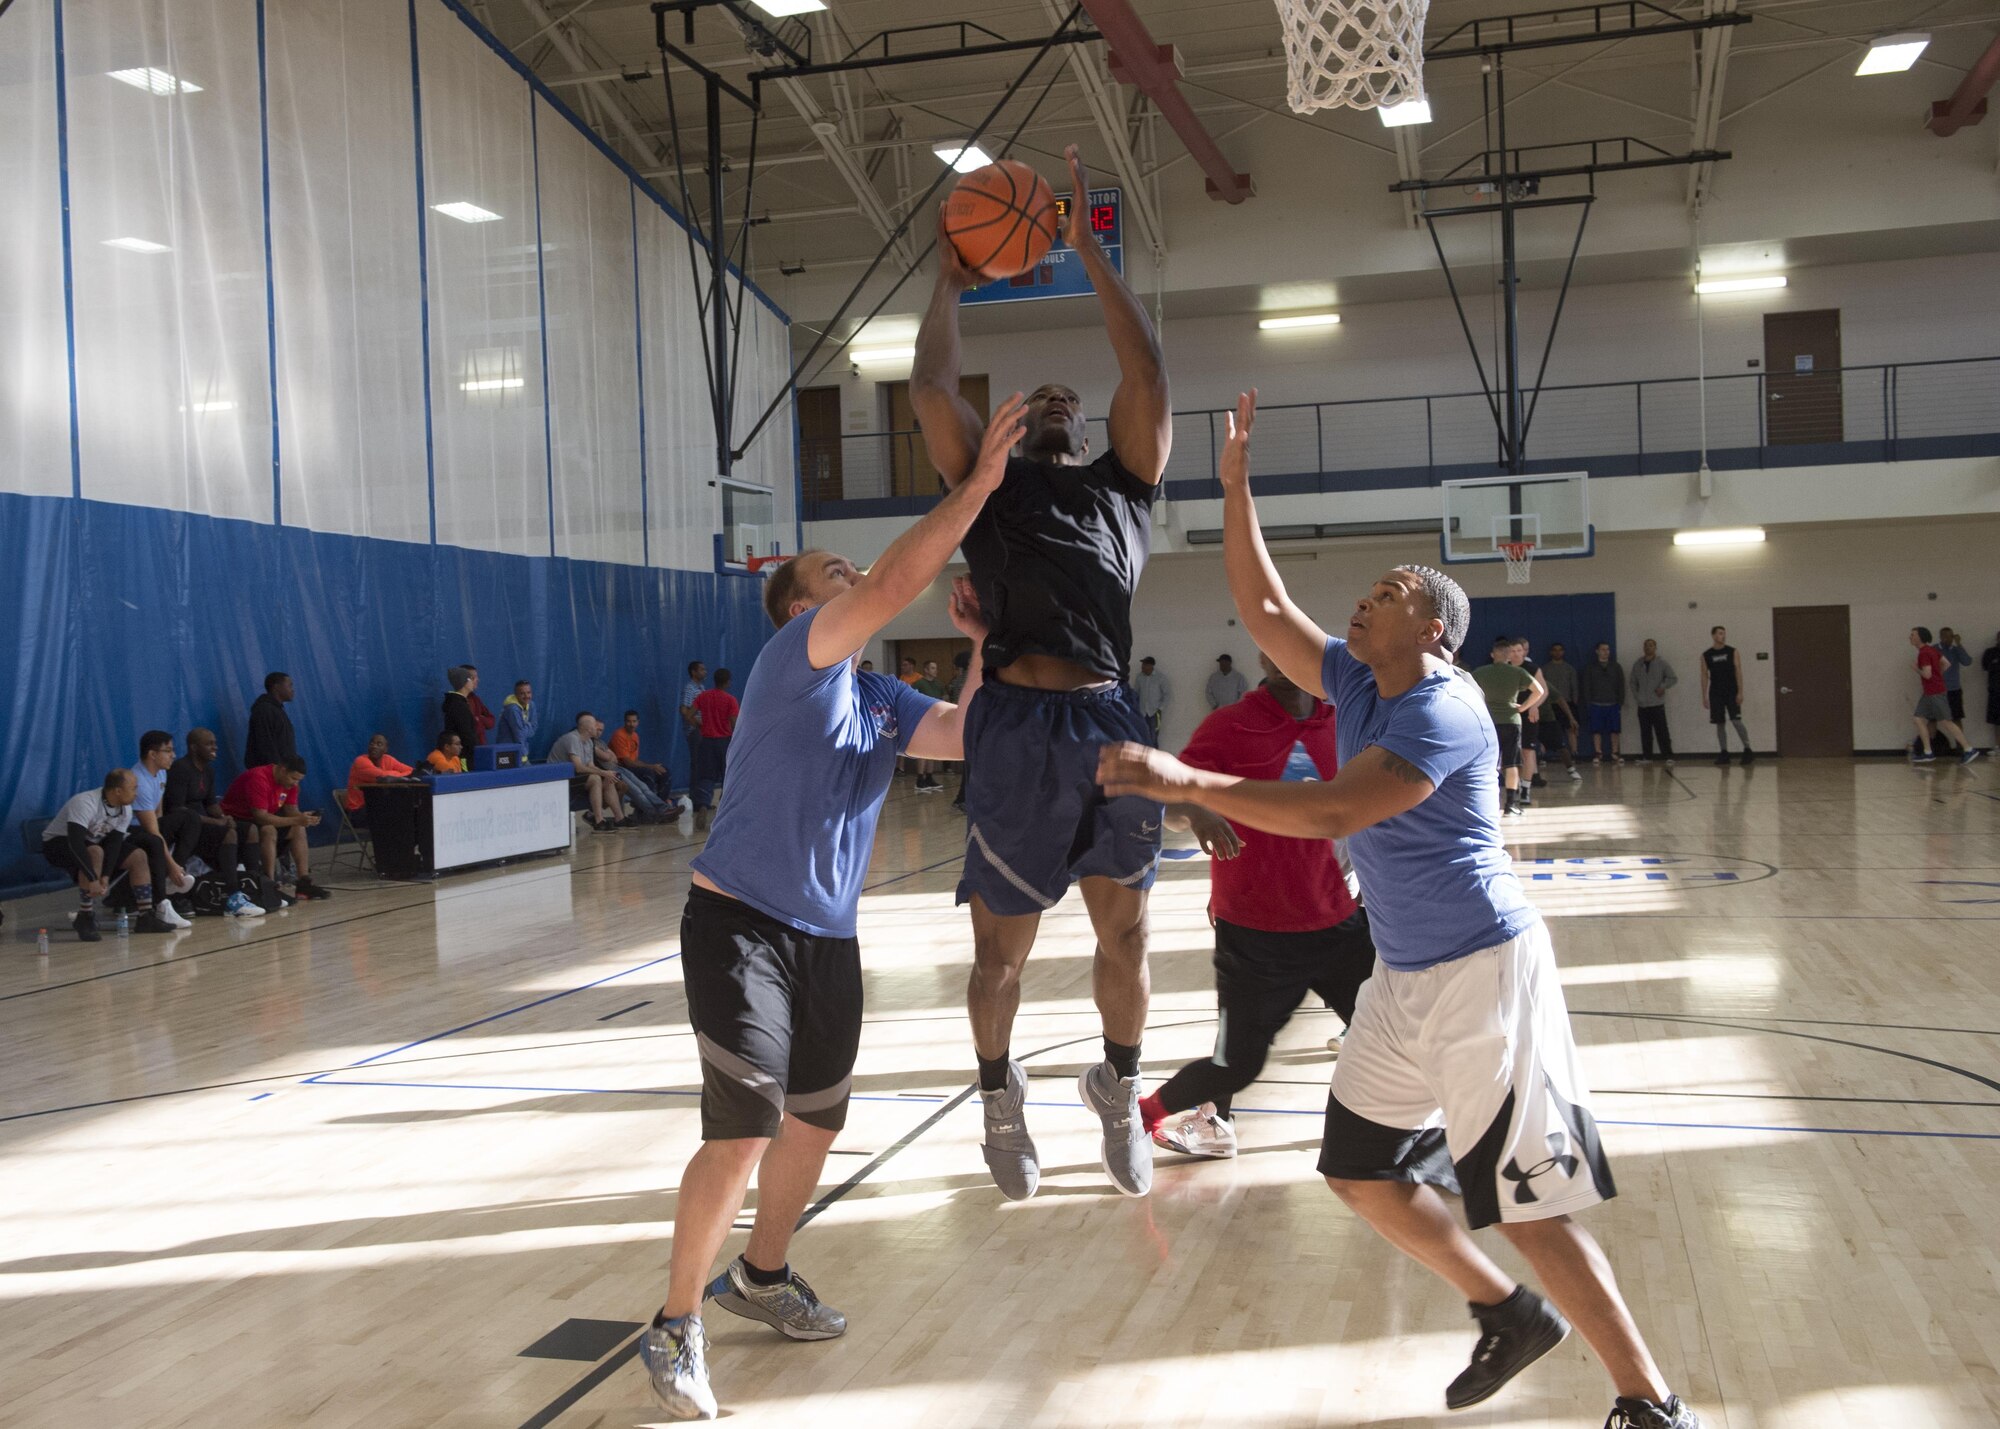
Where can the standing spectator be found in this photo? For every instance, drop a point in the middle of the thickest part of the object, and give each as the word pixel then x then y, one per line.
pixel 599 785
pixel 906 671
pixel 1990 663
pixel 928 686
pixel 1604 700
pixel 1154 693
pixel 1933 709
pixel 625 749
pixel 482 715
pixel 371 768
pixel 89 838
pixel 517 718
pixel 697 681
pixel 1531 717
pixel 867 667
pixel 449 755
pixel 194 821
pixel 1652 677
pixel 271 736
pixel 717 709
pixel 266 797
pixel 1559 734
pixel 1227 685
pixel 1508 690
pixel 1722 693
pixel 458 716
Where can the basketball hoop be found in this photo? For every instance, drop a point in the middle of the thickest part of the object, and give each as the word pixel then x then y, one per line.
pixel 1362 54
pixel 756 564
pixel 1519 555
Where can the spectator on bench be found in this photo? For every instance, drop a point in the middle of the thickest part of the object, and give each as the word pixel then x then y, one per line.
pixel 89 838
pixel 271 736
pixel 156 757
pixel 595 784
pixel 266 798
pixel 371 768
pixel 194 820
pixel 458 716
pixel 624 743
pixel 517 718
pixel 449 756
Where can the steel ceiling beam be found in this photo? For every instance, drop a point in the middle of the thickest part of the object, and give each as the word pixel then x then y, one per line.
pixel 1967 104
pixel 559 36
pixel 1711 72
pixel 1100 98
pixel 1135 59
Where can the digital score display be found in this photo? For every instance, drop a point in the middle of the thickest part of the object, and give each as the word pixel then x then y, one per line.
pixel 1061 274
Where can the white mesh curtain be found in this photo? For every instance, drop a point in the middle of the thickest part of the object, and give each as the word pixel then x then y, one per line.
pixel 592 322
pixel 166 210
pixel 489 442
pixel 34 350
pixel 680 430
pixel 765 366
pixel 345 267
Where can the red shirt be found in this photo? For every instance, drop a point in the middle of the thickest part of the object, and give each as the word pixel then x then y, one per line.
pixel 1930 669
pixel 258 788
pixel 1276 885
pixel 717 711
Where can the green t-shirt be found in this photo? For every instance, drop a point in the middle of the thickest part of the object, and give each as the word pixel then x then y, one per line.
pixel 1503 686
pixel 929 687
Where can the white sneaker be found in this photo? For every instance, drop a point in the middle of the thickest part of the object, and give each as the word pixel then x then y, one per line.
pixel 1575 773
pixel 1333 1045
pixel 170 915
pixel 197 866
pixel 1200 1133
pixel 178 886
pixel 1670 764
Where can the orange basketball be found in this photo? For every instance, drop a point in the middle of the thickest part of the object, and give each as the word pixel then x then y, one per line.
pixel 1001 219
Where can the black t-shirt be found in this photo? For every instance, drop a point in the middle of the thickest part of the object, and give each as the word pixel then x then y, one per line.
pixel 1055 556
pixel 188 785
pixel 1533 669
pixel 1721 664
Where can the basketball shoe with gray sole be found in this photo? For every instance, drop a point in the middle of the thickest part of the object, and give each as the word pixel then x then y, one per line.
pixel 792 1309
pixel 677 1364
pixel 1127 1151
pixel 1008 1149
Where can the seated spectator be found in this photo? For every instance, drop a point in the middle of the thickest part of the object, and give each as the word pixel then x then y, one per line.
pixel 717 710
pixel 481 715
pixel 265 799
pixel 87 840
pixel 624 743
pixel 593 783
pixel 371 768
pixel 458 716
pixel 449 756
pixel 203 837
pixel 156 757
pixel 517 718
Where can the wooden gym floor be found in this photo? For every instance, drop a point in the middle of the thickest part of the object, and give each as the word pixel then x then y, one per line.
pixel 344 1166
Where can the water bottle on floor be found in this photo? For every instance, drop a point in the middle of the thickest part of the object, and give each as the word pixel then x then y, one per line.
pixel 124 924
pixel 42 943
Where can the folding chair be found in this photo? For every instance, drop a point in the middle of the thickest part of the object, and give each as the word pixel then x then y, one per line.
pixel 364 857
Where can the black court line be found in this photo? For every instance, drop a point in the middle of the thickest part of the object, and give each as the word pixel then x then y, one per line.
pixel 623 1010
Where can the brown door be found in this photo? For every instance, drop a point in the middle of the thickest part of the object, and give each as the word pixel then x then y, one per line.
pixel 1802 377
pixel 1814 681
pixel 910 469
pixel 819 443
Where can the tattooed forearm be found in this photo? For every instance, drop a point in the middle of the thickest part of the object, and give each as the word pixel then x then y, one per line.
pixel 1403 769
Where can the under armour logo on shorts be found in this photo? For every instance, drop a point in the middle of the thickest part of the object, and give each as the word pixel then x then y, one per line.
pixel 1524 1193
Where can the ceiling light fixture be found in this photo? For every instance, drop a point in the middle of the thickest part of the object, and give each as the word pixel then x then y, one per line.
pixel 961 156
pixel 1410 111
pixel 1760 283
pixel 1892 54
pixel 465 212
pixel 137 245
pixel 1721 536
pixel 883 354
pixel 154 81
pixel 492 384
pixel 1299 320
pixel 209 407
pixel 779 9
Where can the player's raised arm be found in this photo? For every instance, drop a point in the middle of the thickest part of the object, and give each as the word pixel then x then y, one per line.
pixel 1280 629
pixel 950 426
pixel 1373 786
pixel 942 733
pixel 1141 420
pixel 915 559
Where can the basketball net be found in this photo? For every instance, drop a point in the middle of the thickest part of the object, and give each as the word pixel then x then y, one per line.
pixel 1363 54
pixel 1520 556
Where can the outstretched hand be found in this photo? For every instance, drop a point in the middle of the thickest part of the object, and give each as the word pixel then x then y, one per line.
pixel 966 616
pixel 1216 835
pixel 1233 469
pixel 1141 770
pixel 1076 228
pixel 1002 433
pixel 952 270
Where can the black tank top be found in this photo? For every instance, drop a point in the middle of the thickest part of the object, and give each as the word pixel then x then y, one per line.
pixel 1721 672
pixel 1055 555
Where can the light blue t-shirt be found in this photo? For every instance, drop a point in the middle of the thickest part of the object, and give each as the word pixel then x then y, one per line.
pixel 1438 881
pixel 812 759
pixel 152 787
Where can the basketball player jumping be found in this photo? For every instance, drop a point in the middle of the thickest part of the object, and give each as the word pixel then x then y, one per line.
pixel 768 953
pixel 1459 1070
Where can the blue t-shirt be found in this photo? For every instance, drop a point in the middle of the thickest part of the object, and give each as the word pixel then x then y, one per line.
pixel 812 759
pixel 152 787
pixel 1438 881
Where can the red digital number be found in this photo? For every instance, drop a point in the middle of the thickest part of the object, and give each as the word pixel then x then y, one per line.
pixel 1103 218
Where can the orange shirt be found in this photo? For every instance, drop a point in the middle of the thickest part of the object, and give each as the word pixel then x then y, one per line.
pixel 365 771
pixel 444 763
pixel 624 744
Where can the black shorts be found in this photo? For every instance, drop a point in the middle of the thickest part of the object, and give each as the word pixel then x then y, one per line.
pixel 776 1016
pixel 1510 745
pixel 1722 707
pixel 1261 977
pixel 1553 733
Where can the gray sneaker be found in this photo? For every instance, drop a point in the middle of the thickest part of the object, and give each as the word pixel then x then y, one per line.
pixel 677 1364
pixel 1008 1149
pixel 792 1308
pixel 1128 1150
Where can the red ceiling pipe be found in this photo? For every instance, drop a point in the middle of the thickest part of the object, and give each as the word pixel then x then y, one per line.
pixel 1136 60
pixel 1968 104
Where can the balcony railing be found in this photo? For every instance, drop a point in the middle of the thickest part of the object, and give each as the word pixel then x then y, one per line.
pixel 1881 412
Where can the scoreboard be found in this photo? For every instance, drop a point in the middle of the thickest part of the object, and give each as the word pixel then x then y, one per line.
pixel 1060 274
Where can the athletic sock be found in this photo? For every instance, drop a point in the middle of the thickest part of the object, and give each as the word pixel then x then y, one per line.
pixel 1221 1105
pixel 1124 1060
pixel 85 903
pixel 1152 1111
pixel 766 1278
pixel 142 897
pixel 993 1072
pixel 677 1323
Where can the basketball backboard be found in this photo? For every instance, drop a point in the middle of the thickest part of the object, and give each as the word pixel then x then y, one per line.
pixel 1551 510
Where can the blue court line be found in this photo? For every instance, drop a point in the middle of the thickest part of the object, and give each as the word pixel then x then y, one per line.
pixel 260 1096
pixel 579 1091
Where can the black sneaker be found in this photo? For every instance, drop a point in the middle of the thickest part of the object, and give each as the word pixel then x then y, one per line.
pixel 1513 1335
pixel 1644 1414
pixel 151 922
pixel 1749 757
pixel 85 924
pixel 1538 782
pixel 1722 760
pixel 306 888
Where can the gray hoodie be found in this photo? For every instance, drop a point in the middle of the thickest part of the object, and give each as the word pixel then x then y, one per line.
pixel 1649 675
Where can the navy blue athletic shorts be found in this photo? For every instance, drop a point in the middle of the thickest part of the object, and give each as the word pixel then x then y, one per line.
pixel 1036 820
